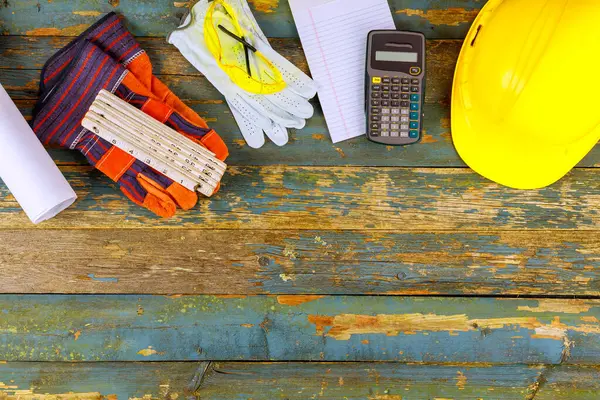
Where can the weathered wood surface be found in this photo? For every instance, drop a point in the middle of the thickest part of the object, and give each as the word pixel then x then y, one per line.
pixel 96 381
pixel 268 381
pixel 568 382
pixel 435 18
pixel 330 198
pixel 22 57
pixel 187 261
pixel 320 328
pixel 295 381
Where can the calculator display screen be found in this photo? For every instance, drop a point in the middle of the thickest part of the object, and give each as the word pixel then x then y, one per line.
pixel 396 56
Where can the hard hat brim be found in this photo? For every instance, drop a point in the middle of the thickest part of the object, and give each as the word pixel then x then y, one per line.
pixel 520 165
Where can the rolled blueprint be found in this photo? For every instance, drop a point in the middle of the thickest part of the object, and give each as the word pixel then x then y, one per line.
pixel 27 169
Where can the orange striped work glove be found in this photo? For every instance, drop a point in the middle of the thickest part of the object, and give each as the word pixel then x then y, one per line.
pixel 57 120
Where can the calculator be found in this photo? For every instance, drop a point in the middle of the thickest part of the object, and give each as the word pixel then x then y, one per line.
pixel 395 86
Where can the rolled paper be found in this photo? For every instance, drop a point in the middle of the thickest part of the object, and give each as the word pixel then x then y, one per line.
pixel 27 169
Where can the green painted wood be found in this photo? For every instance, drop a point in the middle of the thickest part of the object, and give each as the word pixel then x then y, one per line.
pixel 567 382
pixel 268 381
pixel 435 18
pixel 373 381
pixel 95 381
pixel 299 262
pixel 262 328
pixel 332 198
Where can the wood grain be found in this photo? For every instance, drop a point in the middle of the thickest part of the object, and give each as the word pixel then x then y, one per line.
pixel 566 382
pixel 435 18
pixel 372 381
pixel 295 381
pixel 333 198
pixel 268 381
pixel 95 381
pixel 317 262
pixel 298 328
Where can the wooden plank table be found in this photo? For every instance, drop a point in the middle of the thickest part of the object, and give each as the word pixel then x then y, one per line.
pixel 320 270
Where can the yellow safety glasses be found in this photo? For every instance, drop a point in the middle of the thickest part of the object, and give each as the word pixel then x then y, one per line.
pixel 259 76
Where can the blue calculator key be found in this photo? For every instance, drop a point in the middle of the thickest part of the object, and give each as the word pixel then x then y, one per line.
pixel 414 97
pixel 414 115
pixel 414 125
pixel 413 134
pixel 414 106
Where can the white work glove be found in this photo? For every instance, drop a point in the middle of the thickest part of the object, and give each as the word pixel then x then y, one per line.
pixel 254 113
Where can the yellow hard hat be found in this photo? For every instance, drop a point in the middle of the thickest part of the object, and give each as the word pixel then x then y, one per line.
pixel 526 92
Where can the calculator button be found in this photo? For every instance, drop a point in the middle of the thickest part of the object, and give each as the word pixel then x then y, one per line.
pixel 375 118
pixel 405 88
pixel 374 133
pixel 405 81
pixel 404 96
pixel 395 119
pixel 375 110
pixel 404 127
pixel 385 133
pixel 414 125
pixel 414 115
pixel 404 134
pixel 404 104
pixel 414 97
pixel 386 80
pixel 414 81
pixel 395 96
pixel 375 103
pixel 376 79
pixel 395 133
pixel 414 89
pixel 395 81
pixel 375 95
pixel 414 106
pixel 395 126
pixel 404 119
pixel 395 104
pixel 385 103
pixel 385 88
pixel 395 111
pixel 376 87
pixel 385 118
pixel 385 95
pixel 414 134
pixel 415 70
pixel 395 88
pixel 374 126
pixel 404 111
pixel 385 127
pixel 385 110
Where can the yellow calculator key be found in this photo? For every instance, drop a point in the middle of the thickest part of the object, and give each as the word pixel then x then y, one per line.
pixel 376 79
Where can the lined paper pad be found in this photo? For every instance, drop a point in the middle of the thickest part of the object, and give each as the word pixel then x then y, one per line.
pixel 334 38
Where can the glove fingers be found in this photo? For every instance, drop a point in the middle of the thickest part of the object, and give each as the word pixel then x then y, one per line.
pixel 147 195
pixel 252 133
pixel 184 198
pixel 293 103
pixel 278 134
pixel 275 113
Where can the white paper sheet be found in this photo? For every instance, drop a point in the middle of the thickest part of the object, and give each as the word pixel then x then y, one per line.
pixel 334 39
pixel 26 168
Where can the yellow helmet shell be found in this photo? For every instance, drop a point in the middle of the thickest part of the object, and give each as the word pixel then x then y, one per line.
pixel 526 91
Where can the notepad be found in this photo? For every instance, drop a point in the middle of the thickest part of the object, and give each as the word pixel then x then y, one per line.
pixel 334 39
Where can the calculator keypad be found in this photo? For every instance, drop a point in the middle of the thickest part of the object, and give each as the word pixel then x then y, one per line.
pixel 395 107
